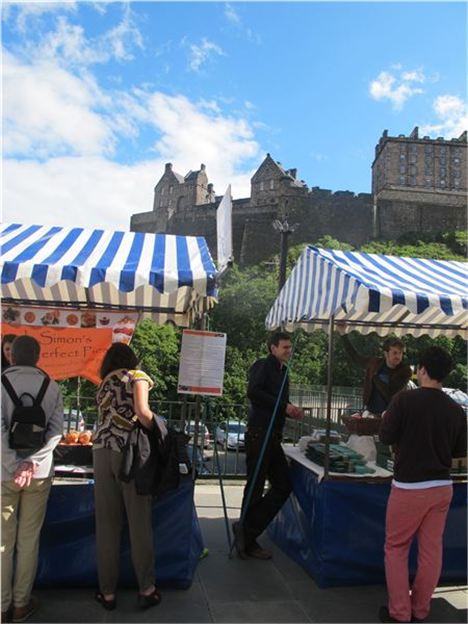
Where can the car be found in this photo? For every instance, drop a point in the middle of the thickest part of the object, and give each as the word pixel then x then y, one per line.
pixel 231 434
pixel 73 420
pixel 204 438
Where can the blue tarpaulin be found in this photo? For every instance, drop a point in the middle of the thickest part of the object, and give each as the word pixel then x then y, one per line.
pixel 336 530
pixel 67 554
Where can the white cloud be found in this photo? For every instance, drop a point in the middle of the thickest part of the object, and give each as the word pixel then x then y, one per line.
pixel 231 14
pixel 23 13
pixel 68 44
pixel 201 54
pixel 73 126
pixel 86 192
pixel 235 20
pixel 396 89
pixel 452 113
pixel 190 136
pixel 47 110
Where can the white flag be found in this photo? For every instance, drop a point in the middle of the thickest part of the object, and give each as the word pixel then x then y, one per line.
pixel 224 230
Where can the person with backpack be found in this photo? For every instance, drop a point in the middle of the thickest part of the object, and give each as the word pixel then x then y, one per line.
pixel 122 399
pixel 32 425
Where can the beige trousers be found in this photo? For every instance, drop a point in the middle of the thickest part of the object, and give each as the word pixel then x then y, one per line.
pixel 112 497
pixel 23 512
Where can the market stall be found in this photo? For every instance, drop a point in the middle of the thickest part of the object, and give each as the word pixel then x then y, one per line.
pixel 334 522
pixel 67 286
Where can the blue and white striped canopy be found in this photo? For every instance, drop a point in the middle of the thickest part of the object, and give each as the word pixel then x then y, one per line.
pixel 165 276
pixel 373 293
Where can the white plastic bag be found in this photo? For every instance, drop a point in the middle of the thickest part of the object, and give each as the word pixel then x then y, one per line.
pixel 364 445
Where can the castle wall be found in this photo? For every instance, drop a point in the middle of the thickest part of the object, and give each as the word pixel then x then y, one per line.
pixel 419 185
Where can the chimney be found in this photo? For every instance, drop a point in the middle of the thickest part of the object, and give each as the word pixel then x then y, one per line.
pixel 415 133
pixel 202 167
pixel 293 173
pixel 168 167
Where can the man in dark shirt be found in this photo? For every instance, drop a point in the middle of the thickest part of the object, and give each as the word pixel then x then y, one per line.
pixel 268 388
pixel 426 428
pixel 384 376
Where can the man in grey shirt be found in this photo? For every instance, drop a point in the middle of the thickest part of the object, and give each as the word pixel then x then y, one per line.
pixel 26 480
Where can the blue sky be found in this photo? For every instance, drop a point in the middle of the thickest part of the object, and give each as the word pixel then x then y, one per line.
pixel 98 96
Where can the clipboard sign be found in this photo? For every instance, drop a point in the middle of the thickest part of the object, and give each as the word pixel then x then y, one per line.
pixel 202 357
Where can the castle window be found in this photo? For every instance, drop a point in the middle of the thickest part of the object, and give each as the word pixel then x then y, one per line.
pixel 414 147
pixel 272 185
pixel 443 183
pixel 402 179
pixel 428 182
pixel 442 161
pixel 456 161
pixel 171 188
pixel 442 149
pixel 443 172
pixel 413 158
pixel 456 182
pixel 428 149
pixel 162 190
pixel 402 156
pixel 402 168
pixel 262 185
pixel 413 170
pixel 456 173
pixel 412 181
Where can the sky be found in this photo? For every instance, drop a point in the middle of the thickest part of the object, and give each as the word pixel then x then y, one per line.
pixel 98 96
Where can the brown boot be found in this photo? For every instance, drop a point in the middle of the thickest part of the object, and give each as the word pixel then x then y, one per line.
pixel 21 614
pixel 255 551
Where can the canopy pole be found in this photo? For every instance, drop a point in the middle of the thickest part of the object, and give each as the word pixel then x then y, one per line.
pixel 331 328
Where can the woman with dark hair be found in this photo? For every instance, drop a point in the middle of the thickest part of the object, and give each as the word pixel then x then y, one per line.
pixel 7 341
pixel 122 399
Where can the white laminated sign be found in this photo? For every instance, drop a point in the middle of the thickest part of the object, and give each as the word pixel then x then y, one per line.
pixel 201 368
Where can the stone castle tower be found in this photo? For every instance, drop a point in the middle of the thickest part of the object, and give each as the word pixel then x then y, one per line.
pixel 418 185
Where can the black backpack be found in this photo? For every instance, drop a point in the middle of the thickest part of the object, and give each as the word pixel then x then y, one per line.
pixel 28 422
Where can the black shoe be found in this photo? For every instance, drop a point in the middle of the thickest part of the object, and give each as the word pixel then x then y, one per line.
pixel 150 600
pixel 108 605
pixel 239 540
pixel 384 616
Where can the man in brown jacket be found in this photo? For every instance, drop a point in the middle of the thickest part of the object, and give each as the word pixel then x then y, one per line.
pixel 384 376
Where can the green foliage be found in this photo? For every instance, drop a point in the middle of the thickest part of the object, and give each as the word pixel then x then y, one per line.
pixel 158 348
pixel 245 299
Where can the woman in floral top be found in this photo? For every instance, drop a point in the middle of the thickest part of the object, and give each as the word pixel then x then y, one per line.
pixel 122 400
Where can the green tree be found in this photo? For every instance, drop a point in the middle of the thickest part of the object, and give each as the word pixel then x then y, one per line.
pixel 158 348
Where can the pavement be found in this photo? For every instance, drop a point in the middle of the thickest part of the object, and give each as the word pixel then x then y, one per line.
pixel 232 590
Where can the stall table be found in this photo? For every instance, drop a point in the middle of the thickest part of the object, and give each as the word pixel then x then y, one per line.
pixel 335 528
pixel 67 554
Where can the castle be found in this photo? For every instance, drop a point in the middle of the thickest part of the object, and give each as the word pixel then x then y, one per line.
pixel 418 185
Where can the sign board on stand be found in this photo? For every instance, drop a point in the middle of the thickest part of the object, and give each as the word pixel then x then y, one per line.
pixel 201 368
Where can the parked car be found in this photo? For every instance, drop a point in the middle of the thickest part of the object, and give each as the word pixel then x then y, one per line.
pixel 204 438
pixel 231 434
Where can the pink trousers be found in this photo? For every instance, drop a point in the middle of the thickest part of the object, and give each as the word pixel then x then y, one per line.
pixel 421 513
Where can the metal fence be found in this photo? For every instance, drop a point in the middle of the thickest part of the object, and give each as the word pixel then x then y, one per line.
pixel 223 424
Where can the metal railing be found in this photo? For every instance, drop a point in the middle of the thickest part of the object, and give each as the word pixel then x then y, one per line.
pixel 215 414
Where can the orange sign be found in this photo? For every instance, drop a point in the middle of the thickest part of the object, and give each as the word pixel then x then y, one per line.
pixel 67 352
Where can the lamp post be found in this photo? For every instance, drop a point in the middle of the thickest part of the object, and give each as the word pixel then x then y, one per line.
pixel 285 230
